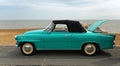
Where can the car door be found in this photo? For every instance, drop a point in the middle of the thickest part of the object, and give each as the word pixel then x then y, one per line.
pixel 58 39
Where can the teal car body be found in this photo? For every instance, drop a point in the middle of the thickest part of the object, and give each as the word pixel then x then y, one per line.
pixel 47 39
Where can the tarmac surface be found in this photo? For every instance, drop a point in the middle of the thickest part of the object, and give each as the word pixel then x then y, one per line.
pixel 11 56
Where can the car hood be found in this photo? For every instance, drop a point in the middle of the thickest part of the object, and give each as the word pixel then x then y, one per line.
pixel 34 32
pixel 95 25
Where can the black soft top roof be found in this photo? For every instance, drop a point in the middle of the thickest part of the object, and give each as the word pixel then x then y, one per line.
pixel 73 26
pixel 64 21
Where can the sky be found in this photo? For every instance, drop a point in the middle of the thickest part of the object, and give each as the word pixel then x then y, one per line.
pixel 59 9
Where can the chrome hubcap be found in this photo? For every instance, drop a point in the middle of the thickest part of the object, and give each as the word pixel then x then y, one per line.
pixel 27 48
pixel 90 49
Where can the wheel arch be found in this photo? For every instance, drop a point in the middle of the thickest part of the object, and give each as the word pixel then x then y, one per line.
pixel 20 44
pixel 96 44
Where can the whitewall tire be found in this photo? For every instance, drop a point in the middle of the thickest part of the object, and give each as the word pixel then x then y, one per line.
pixel 89 49
pixel 27 49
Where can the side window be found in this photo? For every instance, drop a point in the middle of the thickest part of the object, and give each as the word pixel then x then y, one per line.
pixel 60 28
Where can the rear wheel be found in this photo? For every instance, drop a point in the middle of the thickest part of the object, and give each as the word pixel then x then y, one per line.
pixel 89 49
pixel 27 49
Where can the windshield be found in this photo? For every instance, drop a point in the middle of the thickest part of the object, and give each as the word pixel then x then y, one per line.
pixel 50 27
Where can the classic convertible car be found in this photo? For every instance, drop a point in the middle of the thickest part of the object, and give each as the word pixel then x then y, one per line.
pixel 65 35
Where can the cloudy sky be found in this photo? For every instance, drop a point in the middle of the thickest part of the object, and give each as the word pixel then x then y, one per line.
pixel 59 9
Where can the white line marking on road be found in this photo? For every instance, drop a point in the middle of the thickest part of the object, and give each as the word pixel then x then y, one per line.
pixel 44 61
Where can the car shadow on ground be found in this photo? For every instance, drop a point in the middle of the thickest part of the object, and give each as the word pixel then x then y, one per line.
pixel 59 54
pixel 72 54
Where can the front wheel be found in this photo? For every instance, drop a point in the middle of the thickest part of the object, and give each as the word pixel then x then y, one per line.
pixel 27 49
pixel 89 49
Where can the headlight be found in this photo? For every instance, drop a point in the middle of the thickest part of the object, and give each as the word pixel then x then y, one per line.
pixel 15 36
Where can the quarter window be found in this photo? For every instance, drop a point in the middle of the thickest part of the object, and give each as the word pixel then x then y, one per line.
pixel 60 28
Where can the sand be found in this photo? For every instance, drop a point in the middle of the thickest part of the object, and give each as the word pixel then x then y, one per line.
pixel 7 36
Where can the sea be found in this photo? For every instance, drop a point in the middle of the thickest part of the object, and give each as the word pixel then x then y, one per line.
pixel 111 26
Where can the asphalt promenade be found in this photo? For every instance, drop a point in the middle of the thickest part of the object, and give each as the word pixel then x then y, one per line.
pixel 11 56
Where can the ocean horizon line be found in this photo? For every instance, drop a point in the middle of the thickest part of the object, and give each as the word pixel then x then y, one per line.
pixel 110 25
